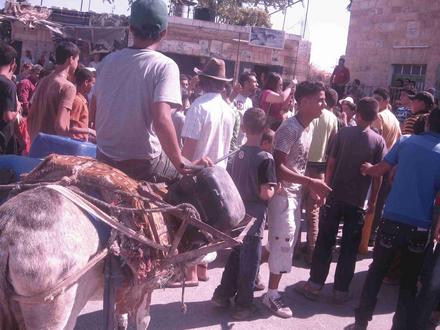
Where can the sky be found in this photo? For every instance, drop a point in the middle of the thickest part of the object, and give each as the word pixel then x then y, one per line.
pixel 327 23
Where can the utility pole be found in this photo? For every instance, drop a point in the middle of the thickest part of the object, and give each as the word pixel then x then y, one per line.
pixel 81 8
pixel 305 20
pixel 284 19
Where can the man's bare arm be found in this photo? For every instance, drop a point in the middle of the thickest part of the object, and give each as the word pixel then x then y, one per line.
pixel 166 133
pixel 375 170
pixel 284 173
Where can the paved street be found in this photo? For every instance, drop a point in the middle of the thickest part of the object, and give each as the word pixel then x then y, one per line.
pixel 201 314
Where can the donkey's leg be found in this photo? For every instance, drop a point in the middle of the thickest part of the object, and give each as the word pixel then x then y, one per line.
pixel 143 313
pixel 53 315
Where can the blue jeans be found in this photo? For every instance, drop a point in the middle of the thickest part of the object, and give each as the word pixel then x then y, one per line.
pixel 429 296
pixel 241 269
pixel 392 238
pixel 331 215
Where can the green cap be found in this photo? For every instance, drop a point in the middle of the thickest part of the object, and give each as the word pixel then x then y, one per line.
pixel 149 15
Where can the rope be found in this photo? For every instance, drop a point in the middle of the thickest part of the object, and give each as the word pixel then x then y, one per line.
pixel 69 280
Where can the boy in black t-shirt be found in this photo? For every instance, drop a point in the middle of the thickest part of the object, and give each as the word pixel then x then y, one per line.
pixel 253 171
pixel 9 143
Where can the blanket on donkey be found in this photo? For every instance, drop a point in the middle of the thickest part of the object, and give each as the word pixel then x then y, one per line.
pixel 117 189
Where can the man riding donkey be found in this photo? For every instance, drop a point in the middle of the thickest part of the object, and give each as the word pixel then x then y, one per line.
pixel 135 91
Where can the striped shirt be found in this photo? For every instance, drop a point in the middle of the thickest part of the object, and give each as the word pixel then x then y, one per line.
pixel 415 123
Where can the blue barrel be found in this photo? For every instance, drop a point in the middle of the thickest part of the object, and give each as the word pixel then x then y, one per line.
pixel 46 144
pixel 18 164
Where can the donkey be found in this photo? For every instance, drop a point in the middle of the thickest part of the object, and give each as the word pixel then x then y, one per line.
pixel 43 237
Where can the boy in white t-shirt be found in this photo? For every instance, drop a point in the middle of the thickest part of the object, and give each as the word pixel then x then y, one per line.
pixel 291 146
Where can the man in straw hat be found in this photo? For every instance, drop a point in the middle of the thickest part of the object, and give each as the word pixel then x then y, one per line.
pixel 135 90
pixel 208 127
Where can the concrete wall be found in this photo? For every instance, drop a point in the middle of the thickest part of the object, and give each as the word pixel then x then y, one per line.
pixel 203 39
pixel 386 32
pixel 229 42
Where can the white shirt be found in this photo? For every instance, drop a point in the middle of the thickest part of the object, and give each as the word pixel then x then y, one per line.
pixel 294 140
pixel 242 104
pixel 129 82
pixel 210 121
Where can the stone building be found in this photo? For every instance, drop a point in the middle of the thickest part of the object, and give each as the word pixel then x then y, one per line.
pixel 392 39
pixel 189 42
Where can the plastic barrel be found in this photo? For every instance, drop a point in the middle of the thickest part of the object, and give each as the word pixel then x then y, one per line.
pixel 46 144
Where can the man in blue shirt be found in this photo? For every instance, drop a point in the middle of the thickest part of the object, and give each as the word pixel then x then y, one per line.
pixel 407 219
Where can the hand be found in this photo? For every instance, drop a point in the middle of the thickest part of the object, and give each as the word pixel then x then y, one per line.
pixel 319 188
pixel 293 83
pixel 205 161
pixel 237 88
pixel 92 132
pixel 365 168
pixel 318 200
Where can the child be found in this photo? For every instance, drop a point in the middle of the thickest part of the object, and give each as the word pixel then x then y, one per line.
pixel 79 116
pixel 267 140
pixel 352 147
pixel 253 171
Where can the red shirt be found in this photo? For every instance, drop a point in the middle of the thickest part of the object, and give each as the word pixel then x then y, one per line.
pixel 25 90
pixel 274 110
pixel 341 75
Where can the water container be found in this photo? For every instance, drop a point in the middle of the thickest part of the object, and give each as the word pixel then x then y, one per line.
pixel 46 144
pixel 214 195
pixel 17 165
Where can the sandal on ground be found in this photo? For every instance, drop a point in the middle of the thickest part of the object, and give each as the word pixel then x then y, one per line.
pixel 178 284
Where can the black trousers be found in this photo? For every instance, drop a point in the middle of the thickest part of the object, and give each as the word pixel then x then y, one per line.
pixel 394 237
pixel 331 215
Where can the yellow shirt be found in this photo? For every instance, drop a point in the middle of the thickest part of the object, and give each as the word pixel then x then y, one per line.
pixel 388 126
pixel 324 128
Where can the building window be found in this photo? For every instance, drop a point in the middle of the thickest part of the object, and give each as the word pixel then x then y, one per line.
pixel 413 72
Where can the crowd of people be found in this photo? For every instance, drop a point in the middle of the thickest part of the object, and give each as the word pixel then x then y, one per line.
pixel 338 155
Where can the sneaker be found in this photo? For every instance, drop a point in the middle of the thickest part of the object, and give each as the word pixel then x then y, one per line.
pixel 340 297
pixel 221 302
pixel 242 312
pixel 357 326
pixel 307 291
pixel 277 306
pixel 259 286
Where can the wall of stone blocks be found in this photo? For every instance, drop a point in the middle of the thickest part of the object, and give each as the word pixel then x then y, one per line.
pixel 386 32
pixel 200 38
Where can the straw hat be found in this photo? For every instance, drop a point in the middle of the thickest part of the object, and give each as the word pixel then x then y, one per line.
pixel 214 69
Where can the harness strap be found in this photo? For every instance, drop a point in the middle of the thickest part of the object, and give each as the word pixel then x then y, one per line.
pixel 72 277
pixel 69 280
pixel 104 217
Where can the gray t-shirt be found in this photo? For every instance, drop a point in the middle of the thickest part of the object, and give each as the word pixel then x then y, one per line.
pixel 353 147
pixel 129 82
pixel 294 140
pixel 253 167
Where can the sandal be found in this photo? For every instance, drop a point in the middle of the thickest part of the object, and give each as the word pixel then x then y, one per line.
pixel 178 284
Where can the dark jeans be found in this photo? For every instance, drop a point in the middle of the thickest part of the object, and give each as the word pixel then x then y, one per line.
pixel 241 269
pixel 429 296
pixel 331 215
pixel 393 237
pixel 156 170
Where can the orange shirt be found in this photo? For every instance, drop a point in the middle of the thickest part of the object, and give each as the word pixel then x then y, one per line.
pixel 52 93
pixel 79 116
